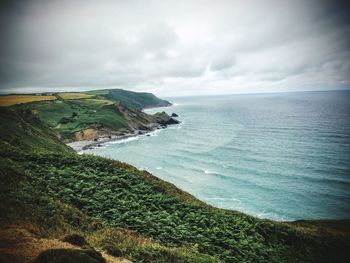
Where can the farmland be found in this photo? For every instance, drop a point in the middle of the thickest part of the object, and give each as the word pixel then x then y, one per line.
pixel 74 95
pixel 10 100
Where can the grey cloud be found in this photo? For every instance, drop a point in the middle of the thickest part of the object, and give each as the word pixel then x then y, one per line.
pixel 174 48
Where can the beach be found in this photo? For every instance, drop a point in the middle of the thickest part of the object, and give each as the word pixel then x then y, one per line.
pixel 82 145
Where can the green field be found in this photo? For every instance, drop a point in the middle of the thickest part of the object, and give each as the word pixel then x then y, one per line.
pixel 131 99
pixel 69 117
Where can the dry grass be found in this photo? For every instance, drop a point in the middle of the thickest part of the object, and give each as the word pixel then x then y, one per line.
pixel 74 95
pixel 22 244
pixel 19 99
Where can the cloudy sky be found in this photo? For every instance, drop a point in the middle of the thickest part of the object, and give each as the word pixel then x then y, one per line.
pixel 175 48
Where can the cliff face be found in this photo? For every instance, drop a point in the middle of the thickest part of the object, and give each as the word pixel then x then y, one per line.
pixel 138 120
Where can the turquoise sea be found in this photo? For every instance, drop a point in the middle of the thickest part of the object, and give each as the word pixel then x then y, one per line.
pixel 283 156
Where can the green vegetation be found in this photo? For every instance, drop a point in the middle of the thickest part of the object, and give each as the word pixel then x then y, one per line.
pixel 69 256
pixel 45 183
pixel 24 129
pixel 96 110
pixel 136 100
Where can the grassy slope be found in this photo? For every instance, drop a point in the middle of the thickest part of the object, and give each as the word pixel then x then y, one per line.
pixel 16 123
pixel 138 100
pixel 74 112
pixel 25 203
pixel 42 180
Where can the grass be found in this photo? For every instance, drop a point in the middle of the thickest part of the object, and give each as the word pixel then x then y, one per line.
pixel 74 95
pixel 126 198
pixel 101 102
pixel 7 101
pixel 17 123
pixel 98 92
pixel 24 204
pixel 136 100
pixel 69 256
pixel 71 116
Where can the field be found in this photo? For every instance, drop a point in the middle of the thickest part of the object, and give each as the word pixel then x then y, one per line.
pixel 70 116
pixel 74 95
pixel 7 101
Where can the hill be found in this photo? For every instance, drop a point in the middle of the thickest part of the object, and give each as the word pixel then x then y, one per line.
pixel 131 99
pixel 121 212
pixel 96 114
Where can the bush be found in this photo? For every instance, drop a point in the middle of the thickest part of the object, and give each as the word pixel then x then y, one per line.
pixel 76 240
pixel 69 256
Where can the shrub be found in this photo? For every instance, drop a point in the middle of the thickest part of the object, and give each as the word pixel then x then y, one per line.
pixel 76 240
pixel 69 256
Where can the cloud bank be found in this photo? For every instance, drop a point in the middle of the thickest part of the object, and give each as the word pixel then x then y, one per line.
pixel 175 48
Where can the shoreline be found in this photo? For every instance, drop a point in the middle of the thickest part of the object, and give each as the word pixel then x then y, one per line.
pixel 80 146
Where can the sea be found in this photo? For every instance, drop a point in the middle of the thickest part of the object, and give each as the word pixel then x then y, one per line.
pixel 281 156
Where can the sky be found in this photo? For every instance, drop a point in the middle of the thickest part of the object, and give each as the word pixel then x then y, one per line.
pixel 174 48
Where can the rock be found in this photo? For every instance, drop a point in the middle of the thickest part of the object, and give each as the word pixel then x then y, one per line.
pixel 173 121
pixel 76 240
pixel 114 251
pixel 70 256
pixel 174 115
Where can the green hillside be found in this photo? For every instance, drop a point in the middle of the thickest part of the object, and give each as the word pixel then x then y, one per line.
pixel 104 113
pixel 137 100
pixel 45 184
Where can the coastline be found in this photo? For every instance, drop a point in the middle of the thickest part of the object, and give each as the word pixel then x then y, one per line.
pixel 82 145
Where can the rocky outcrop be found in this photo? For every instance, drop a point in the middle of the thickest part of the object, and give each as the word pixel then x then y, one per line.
pixel 174 115
pixel 89 134
pixel 138 123
pixel 138 120
pixel 164 119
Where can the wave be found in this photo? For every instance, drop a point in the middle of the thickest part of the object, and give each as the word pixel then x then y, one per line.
pixel 154 133
pixel 224 199
pixel 130 139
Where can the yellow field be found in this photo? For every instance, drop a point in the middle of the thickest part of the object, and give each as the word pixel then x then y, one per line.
pixel 74 96
pixel 19 99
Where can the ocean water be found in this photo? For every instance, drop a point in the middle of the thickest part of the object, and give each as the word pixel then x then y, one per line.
pixel 282 156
